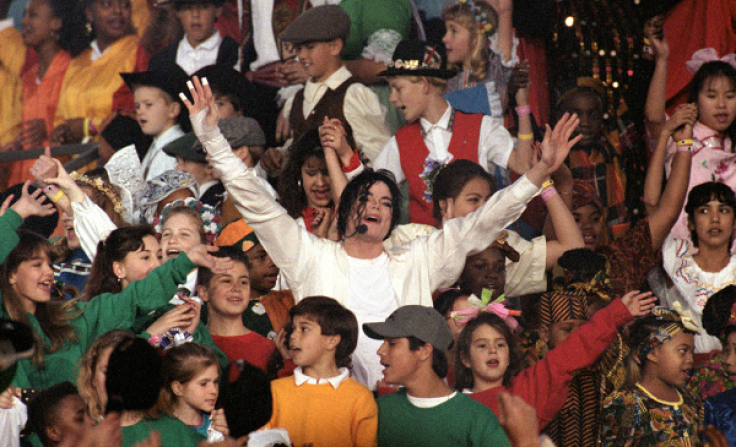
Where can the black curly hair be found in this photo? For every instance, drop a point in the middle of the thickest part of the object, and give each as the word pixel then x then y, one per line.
pixel 357 190
pixel 717 312
pixel 291 192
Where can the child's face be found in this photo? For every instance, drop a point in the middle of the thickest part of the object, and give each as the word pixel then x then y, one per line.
pixel 458 42
pixel 228 294
pixel 318 58
pixel 409 97
pixel 316 183
pixel 179 233
pixel 200 171
pixel 263 271
pixel 71 235
pixel 201 392
pixel 39 23
pixel 100 374
pixel 473 195
pixel 33 279
pixel 71 418
pixel 590 220
pixel 728 355
pixel 225 108
pixel 154 111
pixel 559 331
pixel 309 348
pixel 673 361
pixel 137 264
pixel 485 270
pixel 400 363
pixel 713 223
pixel 198 21
pixel 590 112
pixel 488 357
pixel 717 103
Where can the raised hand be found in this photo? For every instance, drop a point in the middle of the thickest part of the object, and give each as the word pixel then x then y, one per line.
pixel 518 419
pixel 202 99
pixel 639 304
pixel 680 125
pixel 32 204
pixel 332 135
pixel 44 168
pixel 200 255
pixel 65 183
pixel 557 143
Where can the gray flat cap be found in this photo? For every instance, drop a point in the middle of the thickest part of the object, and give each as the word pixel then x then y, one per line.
pixel 320 24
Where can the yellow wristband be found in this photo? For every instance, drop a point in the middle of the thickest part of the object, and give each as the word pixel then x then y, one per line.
pixel 688 142
pixel 57 196
pixel 547 184
pixel 525 136
pixel 86 127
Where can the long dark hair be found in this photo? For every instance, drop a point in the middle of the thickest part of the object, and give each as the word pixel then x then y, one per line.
pixel 357 189
pixel 118 244
pixel 705 73
pixel 451 180
pixel 463 374
pixel 291 192
pixel 54 315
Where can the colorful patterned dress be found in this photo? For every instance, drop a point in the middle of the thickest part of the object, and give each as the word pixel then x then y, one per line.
pixel 633 417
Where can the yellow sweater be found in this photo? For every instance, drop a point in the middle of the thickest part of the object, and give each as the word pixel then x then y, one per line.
pixel 323 416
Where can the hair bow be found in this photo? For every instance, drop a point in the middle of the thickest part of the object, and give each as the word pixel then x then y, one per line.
pixel 705 55
pixel 485 305
pixel 686 317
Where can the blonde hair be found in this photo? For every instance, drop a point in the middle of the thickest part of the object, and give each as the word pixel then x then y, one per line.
pixel 182 364
pixel 88 365
pixel 462 14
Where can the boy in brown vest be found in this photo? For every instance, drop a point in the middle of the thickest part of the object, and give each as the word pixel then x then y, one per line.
pixel 318 37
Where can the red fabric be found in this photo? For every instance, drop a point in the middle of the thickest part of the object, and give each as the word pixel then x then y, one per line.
pixel 354 163
pixel 413 153
pixel 123 98
pixel 544 385
pixel 252 347
pixel 690 26
pixel 534 50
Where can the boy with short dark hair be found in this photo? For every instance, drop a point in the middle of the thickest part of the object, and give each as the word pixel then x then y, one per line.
pixel 425 411
pixel 321 405
pixel 202 44
pixel 319 36
pixel 227 296
pixel 160 114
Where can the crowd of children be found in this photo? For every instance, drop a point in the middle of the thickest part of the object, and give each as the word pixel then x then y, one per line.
pixel 460 281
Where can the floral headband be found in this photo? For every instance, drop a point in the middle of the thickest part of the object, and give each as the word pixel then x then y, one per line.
pixel 210 217
pixel 102 186
pixel 485 305
pixel 678 319
pixel 480 17
pixel 706 55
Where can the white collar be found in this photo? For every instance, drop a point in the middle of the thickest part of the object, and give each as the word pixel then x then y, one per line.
pixel 208 45
pixel 96 53
pixel 332 82
pixel 167 136
pixel 442 123
pixel 300 378
pixel 429 402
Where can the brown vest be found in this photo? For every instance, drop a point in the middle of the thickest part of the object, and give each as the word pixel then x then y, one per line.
pixel 330 105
